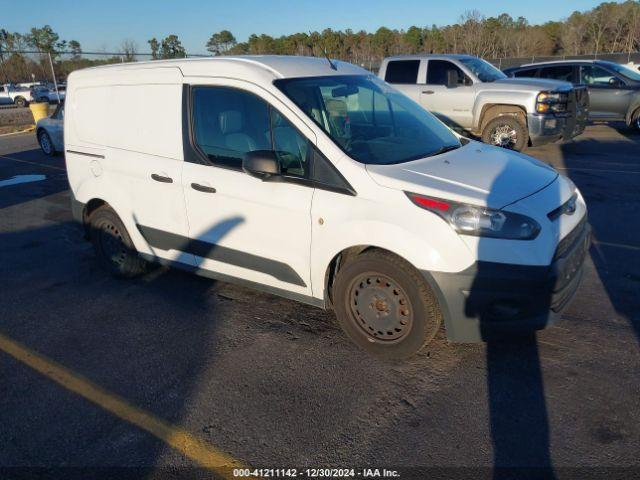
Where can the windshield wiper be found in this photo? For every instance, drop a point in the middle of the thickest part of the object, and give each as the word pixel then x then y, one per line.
pixel 444 149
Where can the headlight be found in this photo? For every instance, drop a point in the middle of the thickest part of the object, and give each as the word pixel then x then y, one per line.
pixel 479 221
pixel 551 101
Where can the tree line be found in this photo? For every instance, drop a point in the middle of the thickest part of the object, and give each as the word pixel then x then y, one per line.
pixel 607 28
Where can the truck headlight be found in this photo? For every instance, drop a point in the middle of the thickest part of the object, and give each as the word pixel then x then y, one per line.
pixel 480 221
pixel 551 102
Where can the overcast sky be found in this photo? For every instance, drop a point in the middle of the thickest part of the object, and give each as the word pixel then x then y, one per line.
pixel 104 24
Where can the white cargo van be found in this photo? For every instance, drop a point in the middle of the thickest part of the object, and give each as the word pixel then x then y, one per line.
pixel 317 181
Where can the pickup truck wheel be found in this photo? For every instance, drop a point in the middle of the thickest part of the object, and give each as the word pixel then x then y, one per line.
pixel 46 144
pixel 385 305
pixel 112 244
pixel 506 131
pixel 20 101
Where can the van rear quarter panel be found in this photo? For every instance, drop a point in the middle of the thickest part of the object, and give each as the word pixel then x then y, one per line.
pixel 131 121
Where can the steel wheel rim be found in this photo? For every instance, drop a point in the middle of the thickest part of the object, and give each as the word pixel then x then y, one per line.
pixel 45 143
pixel 380 308
pixel 504 136
pixel 112 243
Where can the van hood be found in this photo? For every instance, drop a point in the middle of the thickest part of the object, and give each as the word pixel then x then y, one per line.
pixel 474 173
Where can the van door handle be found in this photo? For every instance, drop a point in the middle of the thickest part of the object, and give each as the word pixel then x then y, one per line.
pixel 160 178
pixel 203 188
pixel 428 92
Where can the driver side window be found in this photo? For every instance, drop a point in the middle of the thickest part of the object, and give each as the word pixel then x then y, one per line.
pixel 228 123
pixel 437 73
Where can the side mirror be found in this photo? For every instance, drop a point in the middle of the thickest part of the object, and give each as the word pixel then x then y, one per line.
pixel 452 78
pixel 262 164
pixel 615 82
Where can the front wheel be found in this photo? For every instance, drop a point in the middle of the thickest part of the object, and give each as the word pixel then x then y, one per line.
pixel 506 131
pixel 385 305
pixel 46 144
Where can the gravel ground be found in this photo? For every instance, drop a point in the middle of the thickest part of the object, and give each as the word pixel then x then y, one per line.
pixel 12 118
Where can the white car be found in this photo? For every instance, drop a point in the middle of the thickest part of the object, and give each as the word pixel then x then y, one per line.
pixel 49 132
pixel 10 94
pixel 315 180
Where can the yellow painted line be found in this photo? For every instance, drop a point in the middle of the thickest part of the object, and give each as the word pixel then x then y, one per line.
pixel 30 128
pixel 181 440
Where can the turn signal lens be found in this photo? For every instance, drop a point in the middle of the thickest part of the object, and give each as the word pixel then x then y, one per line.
pixel 479 221
pixel 429 203
pixel 542 107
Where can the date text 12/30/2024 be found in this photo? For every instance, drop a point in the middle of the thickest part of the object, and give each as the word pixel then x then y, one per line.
pixel 314 473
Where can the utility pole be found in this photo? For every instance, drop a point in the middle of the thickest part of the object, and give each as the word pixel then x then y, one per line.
pixel 55 82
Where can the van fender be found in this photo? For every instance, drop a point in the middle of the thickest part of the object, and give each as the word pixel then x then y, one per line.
pixel 445 252
pixel 118 200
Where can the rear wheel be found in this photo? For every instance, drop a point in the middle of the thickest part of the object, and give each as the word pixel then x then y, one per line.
pixel 112 244
pixel 45 143
pixel 385 305
pixel 20 101
pixel 506 131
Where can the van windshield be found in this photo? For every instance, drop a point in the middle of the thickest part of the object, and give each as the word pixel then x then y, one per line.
pixel 368 119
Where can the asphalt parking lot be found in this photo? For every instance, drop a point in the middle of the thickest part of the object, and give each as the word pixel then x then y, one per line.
pixel 173 371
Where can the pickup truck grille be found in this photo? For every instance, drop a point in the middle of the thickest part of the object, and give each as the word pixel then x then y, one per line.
pixel 577 111
pixel 582 97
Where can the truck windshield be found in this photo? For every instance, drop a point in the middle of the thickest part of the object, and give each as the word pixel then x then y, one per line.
pixel 368 119
pixel 483 69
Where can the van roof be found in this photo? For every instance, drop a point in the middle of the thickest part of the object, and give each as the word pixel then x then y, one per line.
pixel 278 66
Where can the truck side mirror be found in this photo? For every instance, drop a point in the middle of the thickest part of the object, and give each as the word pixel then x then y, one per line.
pixel 262 164
pixel 452 78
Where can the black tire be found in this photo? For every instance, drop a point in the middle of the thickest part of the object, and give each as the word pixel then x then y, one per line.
pixel 506 131
pixel 112 244
pixel 46 145
pixel 397 314
pixel 20 101
pixel 635 120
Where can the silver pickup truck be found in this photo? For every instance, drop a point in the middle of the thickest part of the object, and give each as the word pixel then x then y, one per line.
pixel 472 96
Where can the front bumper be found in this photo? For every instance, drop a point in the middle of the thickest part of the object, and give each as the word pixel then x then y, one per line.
pixel 550 128
pixel 492 299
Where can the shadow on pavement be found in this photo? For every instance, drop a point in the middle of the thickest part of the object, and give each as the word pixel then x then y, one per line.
pixel 504 300
pixel 31 162
pixel 128 336
pixel 612 197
